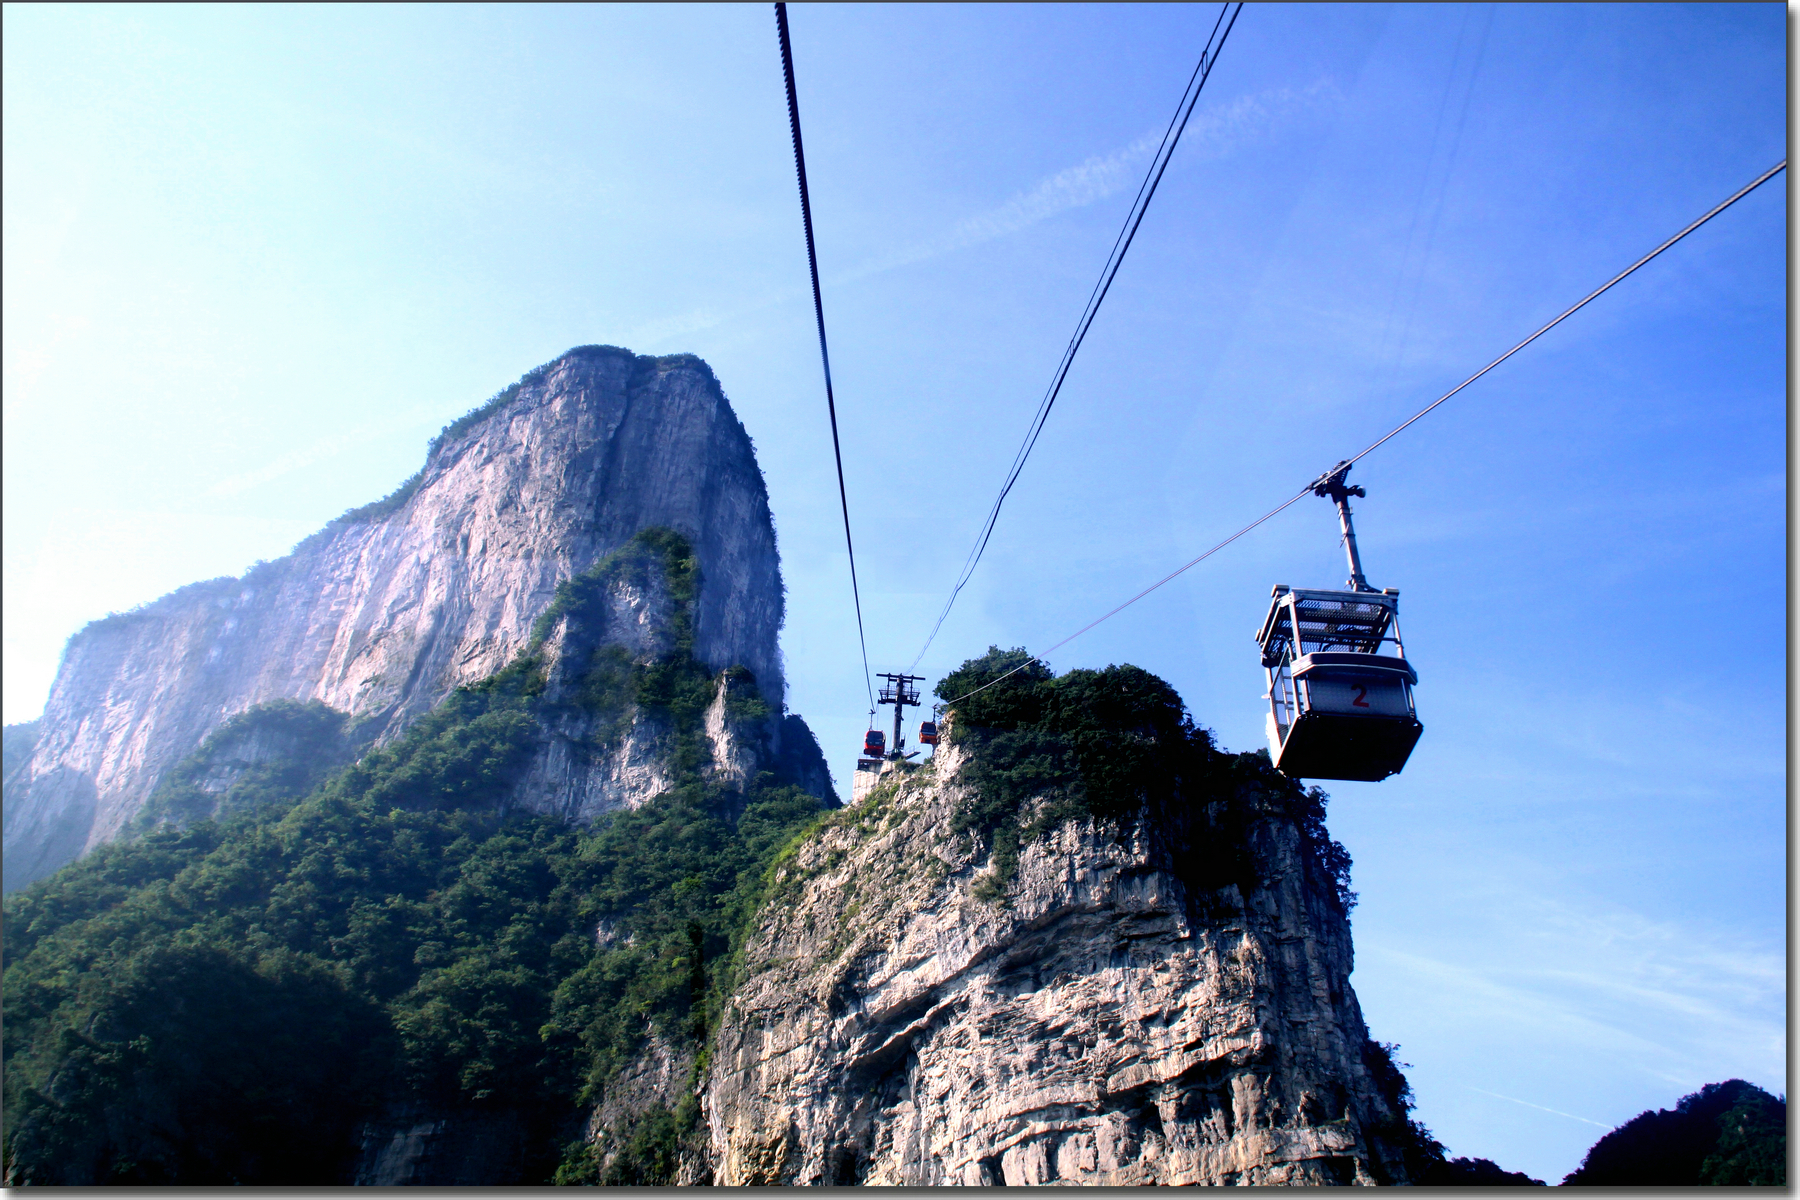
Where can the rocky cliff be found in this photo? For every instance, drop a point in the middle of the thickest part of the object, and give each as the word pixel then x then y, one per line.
pixel 1108 1016
pixel 389 608
pixel 471 844
pixel 1079 945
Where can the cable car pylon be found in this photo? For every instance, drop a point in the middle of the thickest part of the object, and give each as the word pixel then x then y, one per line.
pixel 1340 687
pixel 899 692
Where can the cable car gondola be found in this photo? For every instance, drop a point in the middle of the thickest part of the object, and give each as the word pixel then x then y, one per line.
pixel 928 733
pixel 1340 687
pixel 874 744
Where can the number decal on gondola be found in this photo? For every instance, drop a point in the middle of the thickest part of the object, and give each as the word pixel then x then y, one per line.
pixel 1361 691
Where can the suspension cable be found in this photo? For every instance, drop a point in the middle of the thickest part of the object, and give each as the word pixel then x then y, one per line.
pixel 1567 313
pixel 1572 310
pixel 812 262
pixel 1140 204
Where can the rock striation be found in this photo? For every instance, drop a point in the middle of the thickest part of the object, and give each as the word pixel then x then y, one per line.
pixel 1107 1021
pixel 386 610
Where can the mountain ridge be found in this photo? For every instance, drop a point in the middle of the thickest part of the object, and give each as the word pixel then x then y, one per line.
pixel 388 607
pixel 472 843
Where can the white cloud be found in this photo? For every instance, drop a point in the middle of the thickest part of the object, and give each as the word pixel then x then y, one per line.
pixel 1211 134
pixel 1073 187
pixel 1678 1001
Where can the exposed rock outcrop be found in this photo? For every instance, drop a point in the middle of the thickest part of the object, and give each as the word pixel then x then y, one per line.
pixel 1103 953
pixel 386 610
pixel 628 619
pixel 1105 1022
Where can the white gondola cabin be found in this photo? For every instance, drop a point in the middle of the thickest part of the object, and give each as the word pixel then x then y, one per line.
pixel 1340 687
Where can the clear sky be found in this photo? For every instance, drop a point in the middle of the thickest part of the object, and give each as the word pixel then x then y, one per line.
pixel 255 256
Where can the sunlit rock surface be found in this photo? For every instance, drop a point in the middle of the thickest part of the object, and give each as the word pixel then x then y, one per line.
pixel 382 615
pixel 1102 1026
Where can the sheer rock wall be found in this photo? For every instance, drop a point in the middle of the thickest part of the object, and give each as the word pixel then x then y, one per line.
pixel 1102 1026
pixel 383 616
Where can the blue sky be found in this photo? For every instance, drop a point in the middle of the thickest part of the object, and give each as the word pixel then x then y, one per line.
pixel 254 257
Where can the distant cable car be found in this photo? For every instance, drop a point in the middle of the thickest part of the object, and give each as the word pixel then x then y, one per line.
pixel 874 743
pixel 928 734
pixel 1340 688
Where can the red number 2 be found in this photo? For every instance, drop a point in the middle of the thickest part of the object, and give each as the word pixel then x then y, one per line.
pixel 1361 691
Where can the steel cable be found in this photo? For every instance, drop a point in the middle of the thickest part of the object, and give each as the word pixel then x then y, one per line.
pixel 1565 315
pixel 812 263
pixel 1159 163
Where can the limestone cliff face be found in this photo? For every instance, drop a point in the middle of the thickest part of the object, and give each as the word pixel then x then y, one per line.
pixel 1106 1022
pixel 596 753
pixel 385 611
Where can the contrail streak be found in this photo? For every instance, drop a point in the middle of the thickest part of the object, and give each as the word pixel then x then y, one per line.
pixel 1539 1107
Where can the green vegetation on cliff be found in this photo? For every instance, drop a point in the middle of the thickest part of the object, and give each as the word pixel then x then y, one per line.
pixel 283 963
pixel 228 1000
pixel 266 754
pixel 1110 745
